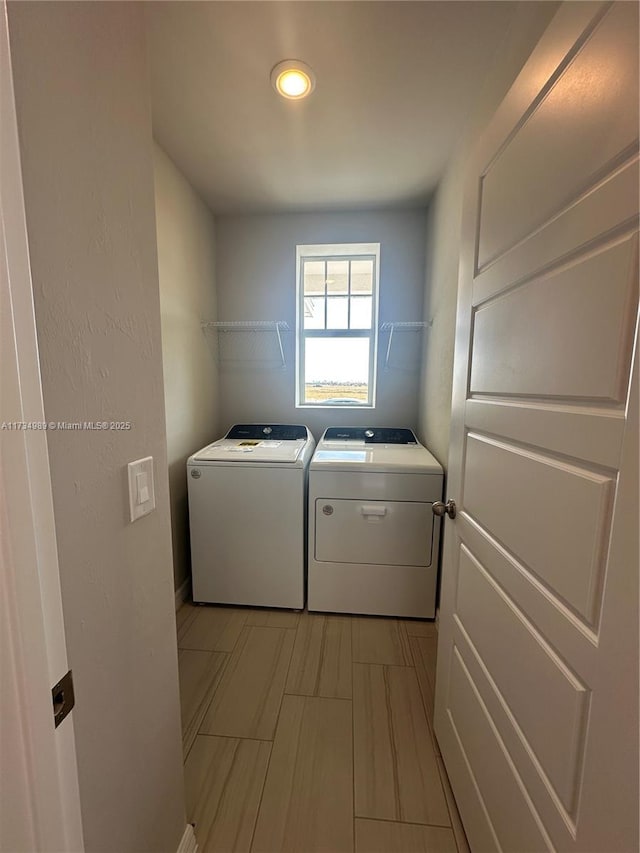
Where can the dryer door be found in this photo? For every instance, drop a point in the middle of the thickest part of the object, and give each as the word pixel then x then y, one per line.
pixel 391 533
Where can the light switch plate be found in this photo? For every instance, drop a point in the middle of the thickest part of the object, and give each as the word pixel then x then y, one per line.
pixel 142 495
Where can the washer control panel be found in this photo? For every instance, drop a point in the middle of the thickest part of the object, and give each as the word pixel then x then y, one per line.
pixel 274 432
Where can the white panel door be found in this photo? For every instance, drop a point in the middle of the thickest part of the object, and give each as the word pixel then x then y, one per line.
pixel 537 687
pixel 39 792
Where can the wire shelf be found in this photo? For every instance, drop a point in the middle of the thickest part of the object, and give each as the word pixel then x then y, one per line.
pixel 247 325
pixel 405 326
pixel 238 341
pixel 407 357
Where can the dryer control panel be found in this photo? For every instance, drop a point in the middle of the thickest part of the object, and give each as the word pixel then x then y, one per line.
pixel 371 435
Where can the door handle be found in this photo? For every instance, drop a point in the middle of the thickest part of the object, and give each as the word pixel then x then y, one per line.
pixel 439 508
pixel 373 513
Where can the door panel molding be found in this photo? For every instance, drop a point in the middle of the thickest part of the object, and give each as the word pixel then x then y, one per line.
pixel 585 96
pixel 540 503
pixel 582 432
pixel 549 806
pixel 603 212
pixel 560 624
pixel 538 311
pixel 515 824
pixel 553 736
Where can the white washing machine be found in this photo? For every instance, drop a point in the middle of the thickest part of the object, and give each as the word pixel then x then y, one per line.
pixel 247 516
pixel 373 538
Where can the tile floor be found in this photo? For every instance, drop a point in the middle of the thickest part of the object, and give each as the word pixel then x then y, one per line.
pixel 307 732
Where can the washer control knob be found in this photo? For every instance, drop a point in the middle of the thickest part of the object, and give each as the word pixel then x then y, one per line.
pixel 369 433
pixel 327 509
pixel 196 473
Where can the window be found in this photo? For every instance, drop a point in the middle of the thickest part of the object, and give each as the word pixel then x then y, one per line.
pixel 336 328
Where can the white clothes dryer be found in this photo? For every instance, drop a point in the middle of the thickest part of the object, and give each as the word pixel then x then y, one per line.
pixel 373 538
pixel 247 516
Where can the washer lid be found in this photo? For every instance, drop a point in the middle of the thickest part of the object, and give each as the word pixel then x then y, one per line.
pixel 251 450
pixel 248 443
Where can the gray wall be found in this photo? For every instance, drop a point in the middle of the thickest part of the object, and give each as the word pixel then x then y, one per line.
pixel 256 272
pixel 86 146
pixel 186 266
pixel 443 231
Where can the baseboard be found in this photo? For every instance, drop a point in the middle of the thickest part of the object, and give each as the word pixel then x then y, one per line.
pixel 182 593
pixel 188 843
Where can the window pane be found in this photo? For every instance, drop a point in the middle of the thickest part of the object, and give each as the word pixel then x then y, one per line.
pixel 338 276
pixel 314 312
pixel 337 312
pixel 313 277
pixel 361 312
pixel 336 371
pixel 362 276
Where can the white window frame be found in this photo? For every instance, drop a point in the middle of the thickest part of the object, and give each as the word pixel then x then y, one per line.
pixel 336 251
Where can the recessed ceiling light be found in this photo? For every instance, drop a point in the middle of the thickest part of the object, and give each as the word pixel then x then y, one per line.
pixel 293 79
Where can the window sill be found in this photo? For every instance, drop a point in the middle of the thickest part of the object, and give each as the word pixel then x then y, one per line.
pixel 337 406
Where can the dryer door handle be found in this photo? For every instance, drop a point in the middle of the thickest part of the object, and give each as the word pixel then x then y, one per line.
pixel 373 513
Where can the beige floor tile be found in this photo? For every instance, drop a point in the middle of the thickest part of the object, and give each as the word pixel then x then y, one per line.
pixel 428 651
pixel 321 662
pixel 420 627
pixel 307 804
pixel 184 617
pixel 396 774
pixel 223 780
pixel 379 836
pixel 273 618
pixel 422 649
pixel 247 700
pixel 199 673
pixel 456 822
pixel 382 641
pixel 214 629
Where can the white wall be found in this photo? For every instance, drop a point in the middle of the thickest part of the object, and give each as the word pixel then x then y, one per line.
pixel 256 279
pixel 443 231
pixel 86 146
pixel 186 267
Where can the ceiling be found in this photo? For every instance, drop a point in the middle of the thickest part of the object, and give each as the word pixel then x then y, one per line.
pixel 396 82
